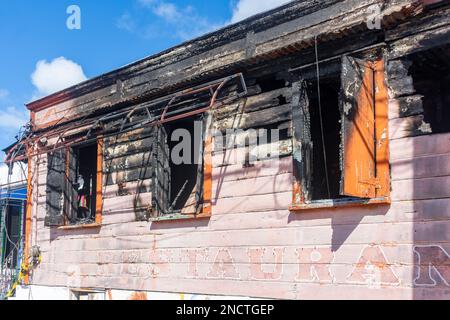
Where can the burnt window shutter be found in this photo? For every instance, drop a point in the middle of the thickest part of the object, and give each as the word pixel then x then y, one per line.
pixel 382 130
pixel 56 176
pixel 303 145
pixel 161 173
pixel 200 187
pixel 71 189
pixel 358 152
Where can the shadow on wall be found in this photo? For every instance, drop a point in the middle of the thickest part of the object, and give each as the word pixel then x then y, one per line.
pixel 430 73
pixel 56 232
pixel 344 220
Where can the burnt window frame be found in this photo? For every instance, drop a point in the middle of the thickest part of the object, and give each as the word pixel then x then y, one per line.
pixel 160 213
pixel 303 144
pixel 60 218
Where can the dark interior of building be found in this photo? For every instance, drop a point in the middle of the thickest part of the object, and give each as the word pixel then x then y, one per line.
pixel 329 87
pixel 430 71
pixel 87 169
pixel 185 169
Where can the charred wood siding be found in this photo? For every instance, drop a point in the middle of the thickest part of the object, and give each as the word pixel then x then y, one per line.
pixel 130 160
pixel 415 38
pixel 56 183
pixel 144 79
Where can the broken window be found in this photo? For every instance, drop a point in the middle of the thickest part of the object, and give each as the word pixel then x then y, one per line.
pixel 321 188
pixel 73 193
pixel 182 150
pixel 181 185
pixel 430 71
pixel 341 141
pixel 82 184
pixel 178 167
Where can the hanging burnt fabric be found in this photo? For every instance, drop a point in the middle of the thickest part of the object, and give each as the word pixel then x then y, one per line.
pixel 303 145
pixel 56 182
pixel 161 173
pixel 358 146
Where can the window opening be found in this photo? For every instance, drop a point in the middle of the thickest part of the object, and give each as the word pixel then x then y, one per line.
pixel 331 117
pixel 85 183
pixel 430 71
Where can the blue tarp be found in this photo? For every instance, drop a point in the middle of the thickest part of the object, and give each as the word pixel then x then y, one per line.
pixel 14 193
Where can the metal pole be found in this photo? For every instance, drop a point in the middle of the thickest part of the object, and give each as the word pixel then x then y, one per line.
pixel 2 233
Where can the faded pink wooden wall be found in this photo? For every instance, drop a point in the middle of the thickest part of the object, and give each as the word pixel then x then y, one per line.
pixel 253 246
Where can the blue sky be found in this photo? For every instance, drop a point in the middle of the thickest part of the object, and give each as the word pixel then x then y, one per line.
pixel 40 55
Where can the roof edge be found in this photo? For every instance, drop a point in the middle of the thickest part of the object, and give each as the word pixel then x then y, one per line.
pixel 110 77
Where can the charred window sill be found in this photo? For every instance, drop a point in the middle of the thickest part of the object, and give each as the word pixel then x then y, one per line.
pixel 341 203
pixel 80 226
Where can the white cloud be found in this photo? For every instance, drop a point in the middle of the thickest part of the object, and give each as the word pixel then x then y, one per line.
pixel 59 74
pixel 182 22
pixel 247 8
pixel 126 22
pixel 167 11
pixel 13 118
pixel 3 93
pixel 18 174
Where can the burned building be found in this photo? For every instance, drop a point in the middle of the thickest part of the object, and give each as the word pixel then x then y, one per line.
pixel 315 163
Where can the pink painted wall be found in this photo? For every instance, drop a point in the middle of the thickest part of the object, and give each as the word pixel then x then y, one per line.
pixel 253 246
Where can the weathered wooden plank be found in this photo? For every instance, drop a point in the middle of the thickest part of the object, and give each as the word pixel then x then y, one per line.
pixel 262 168
pixel 406 107
pixel 419 189
pixel 252 137
pixel 422 23
pixel 420 42
pixel 401 86
pixel 277 201
pixel 117 177
pixel 250 155
pixel 421 167
pixel 398 69
pixel 127 188
pixel 133 161
pixel 256 119
pixel 124 138
pixel 253 186
pixel 118 204
pixel 255 103
pixel 408 148
pixel 113 151
pixel 408 127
